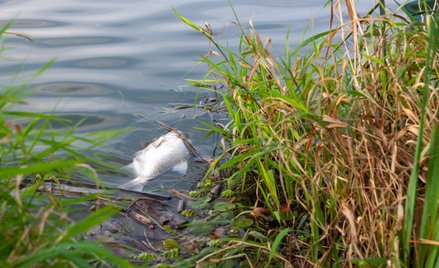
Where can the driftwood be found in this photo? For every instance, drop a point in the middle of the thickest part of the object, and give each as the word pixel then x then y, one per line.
pixel 181 205
pixel 147 211
pixel 132 231
pixel 145 208
pixel 214 192
pixel 61 186
pixel 180 194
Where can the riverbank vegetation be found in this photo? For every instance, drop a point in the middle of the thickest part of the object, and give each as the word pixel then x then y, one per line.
pixel 37 151
pixel 331 151
pixel 329 157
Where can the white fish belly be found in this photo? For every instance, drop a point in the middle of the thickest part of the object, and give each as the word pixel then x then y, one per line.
pixel 163 154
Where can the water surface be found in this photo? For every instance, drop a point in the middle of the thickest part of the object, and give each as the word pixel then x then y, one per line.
pixel 116 59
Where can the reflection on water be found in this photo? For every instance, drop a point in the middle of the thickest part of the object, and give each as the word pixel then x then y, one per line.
pixel 116 59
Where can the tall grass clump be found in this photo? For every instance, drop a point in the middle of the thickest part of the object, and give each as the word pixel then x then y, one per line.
pixel 337 141
pixel 36 227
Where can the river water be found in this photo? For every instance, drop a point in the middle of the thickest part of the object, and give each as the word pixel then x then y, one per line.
pixel 117 59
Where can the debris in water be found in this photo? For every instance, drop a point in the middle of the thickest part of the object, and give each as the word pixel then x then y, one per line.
pixel 169 152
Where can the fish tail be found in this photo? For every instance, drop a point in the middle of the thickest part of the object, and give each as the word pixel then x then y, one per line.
pixel 134 185
pixel 129 168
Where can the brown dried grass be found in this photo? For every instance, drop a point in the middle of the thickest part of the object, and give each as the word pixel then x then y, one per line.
pixel 330 136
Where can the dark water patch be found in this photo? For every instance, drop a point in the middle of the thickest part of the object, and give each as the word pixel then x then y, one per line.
pixel 168 74
pixel 102 63
pixel 71 11
pixel 79 11
pixel 161 96
pixel 72 88
pixel 89 122
pixel 74 119
pixel 67 104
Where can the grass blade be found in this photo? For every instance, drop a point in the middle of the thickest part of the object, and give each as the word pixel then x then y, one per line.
pixel 429 215
pixel 279 237
pixel 35 168
pixel 412 186
pixel 87 223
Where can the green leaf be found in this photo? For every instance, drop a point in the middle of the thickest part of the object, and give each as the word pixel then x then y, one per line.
pixel 258 235
pixel 89 222
pixel 280 236
pixel 430 210
pixel 35 168
pixel 44 68
pixel 186 21
pixel 201 227
pixel 224 206
pixel 413 182
pixel 367 262
pixel 309 40
pixel 242 222
pixel 5 27
pixel 78 252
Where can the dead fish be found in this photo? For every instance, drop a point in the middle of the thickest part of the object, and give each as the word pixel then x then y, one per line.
pixel 169 152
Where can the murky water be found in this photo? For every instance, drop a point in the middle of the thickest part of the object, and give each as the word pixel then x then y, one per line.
pixel 116 59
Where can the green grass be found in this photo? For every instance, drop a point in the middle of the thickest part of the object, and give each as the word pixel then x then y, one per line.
pixel 427 254
pixel 335 142
pixel 36 227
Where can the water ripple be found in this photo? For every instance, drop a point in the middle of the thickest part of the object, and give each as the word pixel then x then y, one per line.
pixel 119 58
pixel 79 41
pixel 72 88
pixel 102 63
pixel 36 23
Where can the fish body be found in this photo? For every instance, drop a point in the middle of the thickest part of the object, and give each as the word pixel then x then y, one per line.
pixel 168 152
